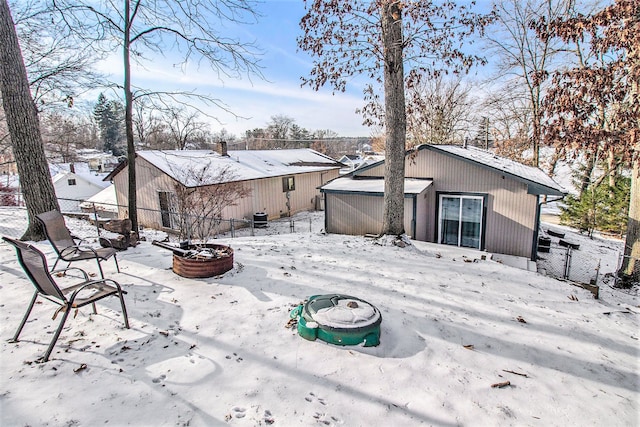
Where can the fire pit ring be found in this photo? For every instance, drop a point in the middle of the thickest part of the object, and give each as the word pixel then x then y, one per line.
pixel 200 267
pixel 200 261
pixel 338 319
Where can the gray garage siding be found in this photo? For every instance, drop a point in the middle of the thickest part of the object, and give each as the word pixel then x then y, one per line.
pixel 510 211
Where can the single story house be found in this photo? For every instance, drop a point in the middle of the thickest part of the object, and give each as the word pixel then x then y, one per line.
pixel 454 195
pixel 73 182
pixel 281 182
pixel 98 161
pixel 355 161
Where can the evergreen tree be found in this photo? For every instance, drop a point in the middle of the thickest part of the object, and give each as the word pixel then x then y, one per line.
pixel 109 115
pixel 599 207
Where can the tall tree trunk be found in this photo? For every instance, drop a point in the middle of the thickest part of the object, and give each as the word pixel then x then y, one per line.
pixel 630 270
pixel 128 119
pixel 395 118
pixel 587 173
pixel 536 134
pixel 24 128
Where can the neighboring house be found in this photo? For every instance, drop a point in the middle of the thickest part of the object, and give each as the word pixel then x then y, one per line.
pixel 104 203
pixel 454 195
pixel 350 162
pixel 97 160
pixel 282 182
pixel 71 186
pixel 355 161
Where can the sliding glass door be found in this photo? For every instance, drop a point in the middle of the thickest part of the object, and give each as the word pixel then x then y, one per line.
pixel 460 221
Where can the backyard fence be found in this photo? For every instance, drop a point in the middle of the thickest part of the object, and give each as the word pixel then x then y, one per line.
pixel 570 264
pixel 13 220
pixel 566 261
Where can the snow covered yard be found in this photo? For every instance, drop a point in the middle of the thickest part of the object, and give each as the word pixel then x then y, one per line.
pixel 216 351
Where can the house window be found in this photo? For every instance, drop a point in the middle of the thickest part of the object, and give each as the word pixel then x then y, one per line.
pixel 71 181
pixel 288 183
pixel 168 211
pixel 461 220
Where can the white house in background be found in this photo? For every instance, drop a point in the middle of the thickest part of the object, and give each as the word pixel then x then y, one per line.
pixel 97 160
pixel 356 161
pixel 350 162
pixel 73 182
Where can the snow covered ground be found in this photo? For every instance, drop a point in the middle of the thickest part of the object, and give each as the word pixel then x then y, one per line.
pixel 216 351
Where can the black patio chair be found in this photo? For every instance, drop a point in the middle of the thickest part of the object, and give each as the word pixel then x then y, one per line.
pixel 69 298
pixel 66 246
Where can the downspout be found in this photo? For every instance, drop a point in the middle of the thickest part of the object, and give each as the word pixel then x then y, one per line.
pixel 415 213
pixel 326 204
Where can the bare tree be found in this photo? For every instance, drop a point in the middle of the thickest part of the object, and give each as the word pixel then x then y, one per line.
pixel 224 136
pixel 200 203
pixel 375 39
pixel 439 110
pixel 508 111
pixel 149 127
pixel 184 127
pixel 24 128
pixel 279 126
pixel 63 134
pixel 525 59
pixel 140 27
pixel 597 105
pixel 58 71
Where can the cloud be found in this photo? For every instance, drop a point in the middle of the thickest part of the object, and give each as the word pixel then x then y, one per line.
pixel 256 100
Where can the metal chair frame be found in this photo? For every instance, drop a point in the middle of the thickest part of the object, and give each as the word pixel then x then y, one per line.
pixel 35 266
pixel 65 244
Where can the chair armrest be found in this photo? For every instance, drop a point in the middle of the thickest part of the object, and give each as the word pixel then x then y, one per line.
pixel 93 282
pixel 70 250
pixel 64 270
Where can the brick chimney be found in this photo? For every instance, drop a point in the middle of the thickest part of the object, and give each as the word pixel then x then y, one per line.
pixel 222 148
pixel 72 168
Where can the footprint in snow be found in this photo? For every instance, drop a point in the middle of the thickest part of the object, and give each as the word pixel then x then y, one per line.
pixel 235 355
pixel 311 397
pixel 268 417
pixel 159 379
pixel 239 412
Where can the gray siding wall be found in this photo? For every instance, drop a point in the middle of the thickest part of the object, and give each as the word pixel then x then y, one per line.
pixel 356 214
pixel 511 212
pixel 423 214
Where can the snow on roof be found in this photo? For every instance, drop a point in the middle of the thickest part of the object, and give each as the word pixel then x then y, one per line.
pixel 244 164
pixel 528 173
pixel 60 170
pixel 90 177
pixel 105 199
pixel 347 184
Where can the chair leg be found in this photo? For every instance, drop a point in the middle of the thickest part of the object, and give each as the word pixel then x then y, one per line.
pixel 54 264
pixel 57 334
pixel 124 310
pixel 115 258
pixel 100 268
pixel 24 319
